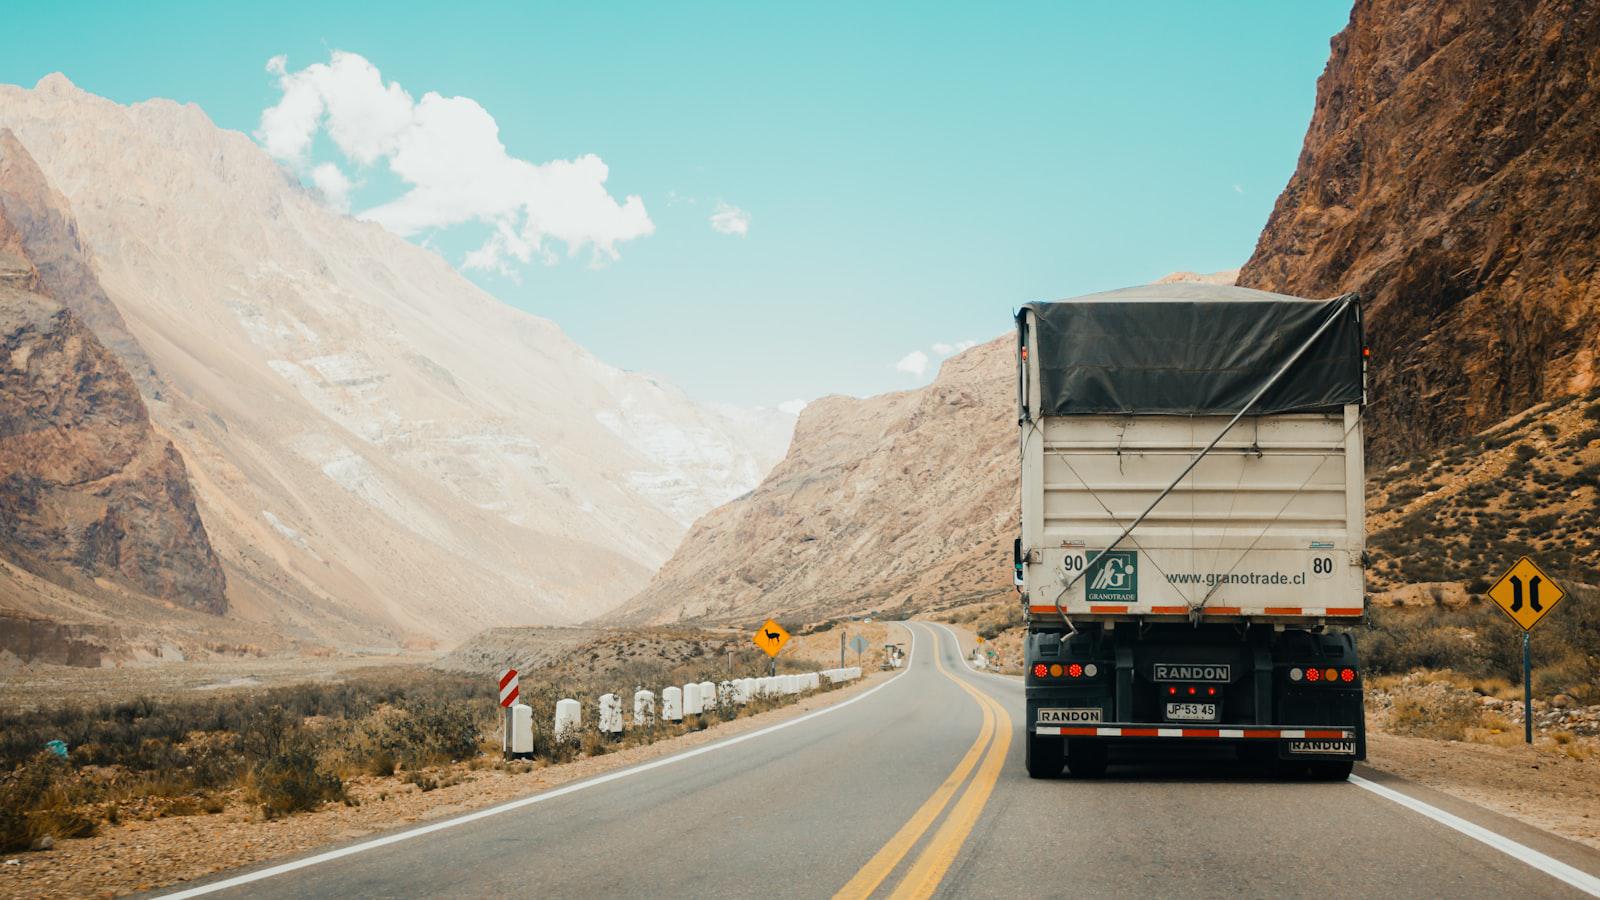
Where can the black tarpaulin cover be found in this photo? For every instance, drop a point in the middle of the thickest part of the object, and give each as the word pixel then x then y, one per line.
pixel 1193 349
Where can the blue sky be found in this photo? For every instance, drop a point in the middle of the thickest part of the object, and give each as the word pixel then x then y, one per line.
pixel 911 172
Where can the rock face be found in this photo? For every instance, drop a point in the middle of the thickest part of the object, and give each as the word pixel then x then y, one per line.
pixel 382 452
pixel 894 502
pixel 46 233
pixel 1451 173
pixel 88 489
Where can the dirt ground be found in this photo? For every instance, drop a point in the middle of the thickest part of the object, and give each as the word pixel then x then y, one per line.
pixel 1542 785
pixel 822 648
pixel 36 685
pixel 143 855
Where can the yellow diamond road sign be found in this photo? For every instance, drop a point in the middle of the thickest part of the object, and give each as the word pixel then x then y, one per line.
pixel 1525 593
pixel 770 637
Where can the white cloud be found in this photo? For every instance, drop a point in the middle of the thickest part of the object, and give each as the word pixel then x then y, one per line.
pixel 334 186
pixel 447 151
pixel 943 349
pixel 913 363
pixel 729 219
pixel 792 407
pixel 1238 189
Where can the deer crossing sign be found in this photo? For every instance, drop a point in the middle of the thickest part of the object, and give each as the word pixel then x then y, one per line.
pixel 770 637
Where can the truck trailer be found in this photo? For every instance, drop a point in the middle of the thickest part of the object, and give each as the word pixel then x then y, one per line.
pixel 1192 534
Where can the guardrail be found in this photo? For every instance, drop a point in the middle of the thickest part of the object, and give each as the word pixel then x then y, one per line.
pixel 676 703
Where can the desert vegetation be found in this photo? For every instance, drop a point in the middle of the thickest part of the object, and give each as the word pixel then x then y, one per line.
pixel 1529 486
pixel 290 749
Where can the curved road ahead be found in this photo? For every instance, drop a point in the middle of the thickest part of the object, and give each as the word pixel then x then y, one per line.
pixel 916 787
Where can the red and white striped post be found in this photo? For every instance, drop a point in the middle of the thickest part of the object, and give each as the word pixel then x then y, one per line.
pixel 508 695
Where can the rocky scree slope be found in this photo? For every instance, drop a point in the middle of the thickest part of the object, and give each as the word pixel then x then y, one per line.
pixel 891 504
pixel 383 454
pixel 1451 174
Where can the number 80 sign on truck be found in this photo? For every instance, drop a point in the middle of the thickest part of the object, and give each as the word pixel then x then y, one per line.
pixel 1192 525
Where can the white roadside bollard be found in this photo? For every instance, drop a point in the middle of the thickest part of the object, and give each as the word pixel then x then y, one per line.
pixel 672 704
pixel 813 681
pixel 520 745
pixel 644 708
pixel 569 719
pixel 692 705
pixel 610 717
pixel 742 689
pixel 708 696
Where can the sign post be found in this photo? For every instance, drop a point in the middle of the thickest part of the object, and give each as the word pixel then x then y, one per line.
pixel 771 637
pixel 841 648
pixel 509 690
pixel 1525 594
pixel 859 644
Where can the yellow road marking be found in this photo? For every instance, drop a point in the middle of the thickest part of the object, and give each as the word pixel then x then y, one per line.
pixel 884 861
pixel 930 867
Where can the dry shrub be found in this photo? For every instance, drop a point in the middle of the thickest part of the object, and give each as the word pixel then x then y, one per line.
pixel 1434 709
pixel 37 800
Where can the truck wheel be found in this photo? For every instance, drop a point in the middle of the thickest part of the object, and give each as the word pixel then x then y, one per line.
pixel 1043 756
pixel 1331 771
pixel 1086 760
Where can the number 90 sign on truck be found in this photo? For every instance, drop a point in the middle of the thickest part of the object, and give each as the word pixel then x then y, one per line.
pixel 1192 525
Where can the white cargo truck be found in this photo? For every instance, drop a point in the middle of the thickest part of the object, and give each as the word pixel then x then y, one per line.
pixel 1192 525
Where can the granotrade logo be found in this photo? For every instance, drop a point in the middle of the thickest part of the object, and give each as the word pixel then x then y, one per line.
pixel 1192 672
pixel 1114 577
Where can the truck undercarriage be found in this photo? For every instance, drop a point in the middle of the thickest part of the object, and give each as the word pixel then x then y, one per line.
pixel 1290 698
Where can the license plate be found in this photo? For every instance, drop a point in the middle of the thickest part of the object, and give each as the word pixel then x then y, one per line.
pixel 1192 712
pixel 1343 748
pixel 1068 716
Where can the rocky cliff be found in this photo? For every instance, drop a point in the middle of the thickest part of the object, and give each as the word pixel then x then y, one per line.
pixel 895 502
pixel 89 492
pixel 1451 173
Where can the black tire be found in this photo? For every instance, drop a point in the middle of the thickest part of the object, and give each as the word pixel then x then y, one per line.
pixel 1086 759
pixel 1331 771
pixel 1043 756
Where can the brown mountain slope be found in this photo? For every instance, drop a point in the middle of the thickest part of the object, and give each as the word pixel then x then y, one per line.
pixel 1451 173
pixel 1527 486
pixel 87 488
pixel 382 452
pixel 47 235
pixel 894 502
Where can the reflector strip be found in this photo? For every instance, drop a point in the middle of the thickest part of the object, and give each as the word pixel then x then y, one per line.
pixel 1169 610
pixel 1107 610
pixel 1327 734
pixel 1343 611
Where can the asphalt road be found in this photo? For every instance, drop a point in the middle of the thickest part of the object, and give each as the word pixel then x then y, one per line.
pixel 917 788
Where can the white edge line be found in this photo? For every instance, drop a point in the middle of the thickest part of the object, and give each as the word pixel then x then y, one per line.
pixel 1549 865
pixel 397 837
pixel 1014 680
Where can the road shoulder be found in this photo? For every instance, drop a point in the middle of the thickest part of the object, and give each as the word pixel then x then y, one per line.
pixel 144 855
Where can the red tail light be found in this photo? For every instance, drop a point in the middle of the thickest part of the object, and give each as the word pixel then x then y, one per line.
pixel 1347 675
pixel 1172 691
pixel 1313 674
pixel 1211 692
pixel 1040 670
pixel 1075 670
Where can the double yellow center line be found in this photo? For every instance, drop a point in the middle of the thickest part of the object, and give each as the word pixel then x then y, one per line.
pixel 930 866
